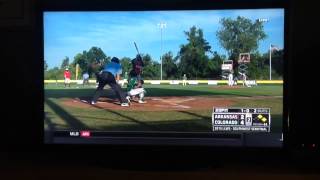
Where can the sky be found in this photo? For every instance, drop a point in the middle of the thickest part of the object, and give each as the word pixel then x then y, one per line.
pixel 69 33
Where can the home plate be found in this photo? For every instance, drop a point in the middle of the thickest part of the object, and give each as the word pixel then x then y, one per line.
pixel 84 101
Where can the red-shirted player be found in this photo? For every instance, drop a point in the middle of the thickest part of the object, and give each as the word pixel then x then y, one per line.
pixel 67 76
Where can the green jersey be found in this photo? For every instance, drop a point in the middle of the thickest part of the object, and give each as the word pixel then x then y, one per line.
pixel 132 82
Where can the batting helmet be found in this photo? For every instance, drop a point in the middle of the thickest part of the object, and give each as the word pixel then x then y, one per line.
pixel 115 60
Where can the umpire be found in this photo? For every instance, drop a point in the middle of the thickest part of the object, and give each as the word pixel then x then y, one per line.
pixel 108 75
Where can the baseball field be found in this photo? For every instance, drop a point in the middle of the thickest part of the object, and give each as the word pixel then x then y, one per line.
pixel 168 108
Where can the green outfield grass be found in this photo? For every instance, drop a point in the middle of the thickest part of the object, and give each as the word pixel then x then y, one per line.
pixel 66 117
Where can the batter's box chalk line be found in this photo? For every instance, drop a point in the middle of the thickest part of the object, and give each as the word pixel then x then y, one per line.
pixel 83 101
pixel 173 102
pixel 173 106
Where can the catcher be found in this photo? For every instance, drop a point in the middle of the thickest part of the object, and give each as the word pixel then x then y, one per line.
pixel 134 88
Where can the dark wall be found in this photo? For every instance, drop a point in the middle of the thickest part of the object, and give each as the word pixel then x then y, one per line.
pixel 304 37
pixel 21 80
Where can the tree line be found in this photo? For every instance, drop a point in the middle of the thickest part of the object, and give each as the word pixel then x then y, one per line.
pixel 196 58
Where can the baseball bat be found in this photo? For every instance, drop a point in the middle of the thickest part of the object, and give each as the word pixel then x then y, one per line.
pixel 135 45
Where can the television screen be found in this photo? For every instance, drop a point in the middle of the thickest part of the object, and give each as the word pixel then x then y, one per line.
pixel 202 77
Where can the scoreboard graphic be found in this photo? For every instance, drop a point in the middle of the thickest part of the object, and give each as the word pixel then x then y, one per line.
pixel 241 119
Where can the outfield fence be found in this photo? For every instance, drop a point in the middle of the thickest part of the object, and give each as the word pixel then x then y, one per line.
pixel 178 82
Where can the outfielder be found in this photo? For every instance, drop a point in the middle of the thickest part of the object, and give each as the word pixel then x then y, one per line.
pixel 230 79
pixel 184 80
pixel 235 80
pixel 244 79
pixel 67 77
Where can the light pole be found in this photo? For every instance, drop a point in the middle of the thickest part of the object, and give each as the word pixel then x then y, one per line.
pixel 271 49
pixel 262 20
pixel 270 69
pixel 161 25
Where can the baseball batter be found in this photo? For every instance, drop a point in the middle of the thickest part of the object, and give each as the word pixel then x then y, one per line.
pixel 137 66
pixel 135 81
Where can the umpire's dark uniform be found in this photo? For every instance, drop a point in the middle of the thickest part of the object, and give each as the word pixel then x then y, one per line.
pixel 107 76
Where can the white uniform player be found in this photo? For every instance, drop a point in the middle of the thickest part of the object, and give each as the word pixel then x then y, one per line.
pixel 138 91
pixel 134 88
pixel 244 79
pixel 230 79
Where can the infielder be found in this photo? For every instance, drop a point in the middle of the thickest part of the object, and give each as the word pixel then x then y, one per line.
pixel 85 78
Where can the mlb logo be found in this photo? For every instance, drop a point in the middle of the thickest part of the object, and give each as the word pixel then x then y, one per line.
pixel 74 133
pixel 85 133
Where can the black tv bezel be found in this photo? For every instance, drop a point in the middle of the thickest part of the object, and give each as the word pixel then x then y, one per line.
pixel 144 5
